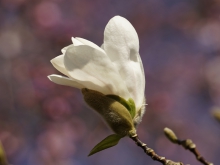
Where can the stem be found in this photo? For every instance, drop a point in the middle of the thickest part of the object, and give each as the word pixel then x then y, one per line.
pixel 189 145
pixel 150 152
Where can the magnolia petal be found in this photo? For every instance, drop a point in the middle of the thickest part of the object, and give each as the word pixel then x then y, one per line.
pixel 85 63
pixel 61 80
pixel 65 48
pixel 135 81
pixel 120 38
pixel 89 43
pixel 139 113
pixel 57 62
pixel 102 46
pixel 122 46
pixel 76 42
pixel 142 68
pixel 142 84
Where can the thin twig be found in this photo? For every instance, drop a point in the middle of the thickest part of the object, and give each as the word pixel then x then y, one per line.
pixel 150 152
pixel 187 144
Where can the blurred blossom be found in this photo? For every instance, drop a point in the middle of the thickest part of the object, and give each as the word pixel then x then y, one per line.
pixel 57 108
pixel 11 142
pixel 57 144
pixel 47 14
pixel 12 4
pixel 40 83
pixel 26 96
pixel 209 35
pixel 161 101
pixel 10 44
pixel 20 70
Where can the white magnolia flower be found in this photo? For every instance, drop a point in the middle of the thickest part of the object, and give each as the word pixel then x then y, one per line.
pixel 114 68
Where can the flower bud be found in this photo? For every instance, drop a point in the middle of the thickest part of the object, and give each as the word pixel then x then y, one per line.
pixel 170 135
pixel 114 113
pixel 188 144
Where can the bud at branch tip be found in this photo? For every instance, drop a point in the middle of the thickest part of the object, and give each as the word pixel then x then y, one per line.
pixel 170 135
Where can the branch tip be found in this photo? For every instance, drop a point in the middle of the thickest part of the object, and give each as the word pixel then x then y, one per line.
pixel 170 135
pixel 187 144
pixel 150 152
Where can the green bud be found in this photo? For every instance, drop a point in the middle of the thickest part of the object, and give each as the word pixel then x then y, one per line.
pixel 113 112
pixel 129 105
pixel 188 144
pixel 170 135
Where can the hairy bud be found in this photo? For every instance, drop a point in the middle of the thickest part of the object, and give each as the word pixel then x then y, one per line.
pixel 114 113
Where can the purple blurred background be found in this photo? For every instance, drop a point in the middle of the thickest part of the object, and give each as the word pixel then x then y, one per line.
pixel 42 123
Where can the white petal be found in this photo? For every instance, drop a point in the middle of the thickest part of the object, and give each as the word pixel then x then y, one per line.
pixel 58 63
pixel 76 42
pixel 61 80
pixel 65 48
pixel 102 46
pixel 85 63
pixel 135 81
pixel 122 46
pixel 121 37
pixel 139 114
pixel 89 43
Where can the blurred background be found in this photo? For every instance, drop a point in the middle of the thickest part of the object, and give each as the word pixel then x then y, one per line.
pixel 42 123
